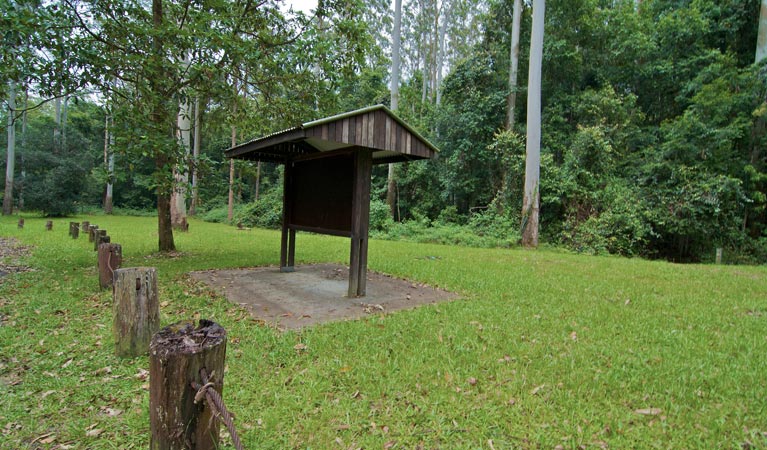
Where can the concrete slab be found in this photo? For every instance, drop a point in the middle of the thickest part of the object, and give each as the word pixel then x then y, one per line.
pixel 315 293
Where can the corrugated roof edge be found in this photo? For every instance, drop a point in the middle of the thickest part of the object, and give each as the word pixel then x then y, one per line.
pixel 356 112
pixel 276 133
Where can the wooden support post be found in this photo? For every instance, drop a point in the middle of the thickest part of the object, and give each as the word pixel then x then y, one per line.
pixel 287 240
pixel 100 238
pixel 49 225
pixel 75 230
pixel 21 223
pixel 177 353
pixel 136 310
pixel 358 259
pixel 110 259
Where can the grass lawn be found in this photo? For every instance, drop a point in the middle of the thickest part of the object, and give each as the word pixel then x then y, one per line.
pixel 545 350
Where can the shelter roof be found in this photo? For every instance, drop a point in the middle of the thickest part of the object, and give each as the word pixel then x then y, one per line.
pixel 375 127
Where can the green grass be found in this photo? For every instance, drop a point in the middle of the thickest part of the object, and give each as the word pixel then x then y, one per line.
pixel 564 349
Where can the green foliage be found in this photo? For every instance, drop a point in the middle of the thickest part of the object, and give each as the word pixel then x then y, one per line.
pixel 266 212
pixel 380 216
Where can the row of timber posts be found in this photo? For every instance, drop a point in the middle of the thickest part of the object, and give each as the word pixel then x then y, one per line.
pixel 186 362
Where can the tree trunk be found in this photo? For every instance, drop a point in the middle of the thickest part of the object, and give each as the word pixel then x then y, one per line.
pixel 761 38
pixel 514 69
pixel 136 310
pixel 230 210
pixel 196 157
pixel 10 160
pixel 531 200
pixel 177 355
pixel 446 8
pixel 64 112
pixel 183 135
pixel 23 149
pixel 109 161
pixel 57 125
pixel 391 184
pixel 110 259
pixel 258 180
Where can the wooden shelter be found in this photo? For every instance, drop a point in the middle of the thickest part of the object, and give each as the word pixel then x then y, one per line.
pixel 328 164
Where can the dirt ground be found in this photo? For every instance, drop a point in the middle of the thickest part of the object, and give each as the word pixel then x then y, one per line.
pixel 315 293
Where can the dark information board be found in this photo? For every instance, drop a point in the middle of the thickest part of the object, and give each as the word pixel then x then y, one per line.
pixel 321 197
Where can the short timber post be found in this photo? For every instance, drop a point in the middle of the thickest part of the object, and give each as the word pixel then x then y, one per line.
pixel 110 259
pixel 86 226
pixel 21 223
pixel 100 238
pixel 136 310
pixel 49 225
pixel 92 232
pixel 177 355
pixel 358 260
pixel 74 230
pixel 719 255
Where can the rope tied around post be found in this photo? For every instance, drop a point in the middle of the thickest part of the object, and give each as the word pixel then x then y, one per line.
pixel 216 405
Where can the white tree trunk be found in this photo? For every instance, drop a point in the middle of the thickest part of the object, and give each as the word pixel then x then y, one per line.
pixel 514 70
pixel 531 200
pixel 195 157
pixel 23 149
pixel 391 185
pixel 178 198
pixel 109 161
pixel 64 112
pixel 446 8
pixel 11 151
pixel 761 38
pixel 57 125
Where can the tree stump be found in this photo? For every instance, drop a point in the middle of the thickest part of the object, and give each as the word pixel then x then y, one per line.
pixel 21 223
pixel 136 310
pixel 49 225
pixel 177 353
pixel 74 230
pixel 86 226
pixel 100 238
pixel 110 259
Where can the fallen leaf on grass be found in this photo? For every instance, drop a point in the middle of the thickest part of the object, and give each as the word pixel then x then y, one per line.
pixel 112 412
pixel 47 393
pixel 142 374
pixel 66 364
pixel 95 432
pixel 472 381
pixel 300 347
pixel 648 411
pixel 537 389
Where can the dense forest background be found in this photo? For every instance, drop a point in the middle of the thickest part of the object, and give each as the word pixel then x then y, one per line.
pixel 652 136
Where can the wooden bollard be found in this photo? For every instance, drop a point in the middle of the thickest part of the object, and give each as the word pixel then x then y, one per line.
pixel 75 230
pixel 176 355
pixel 21 222
pixel 48 225
pixel 110 259
pixel 86 226
pixel 71 227
pixel 92 232
pixel 100 238
pixel 136 310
